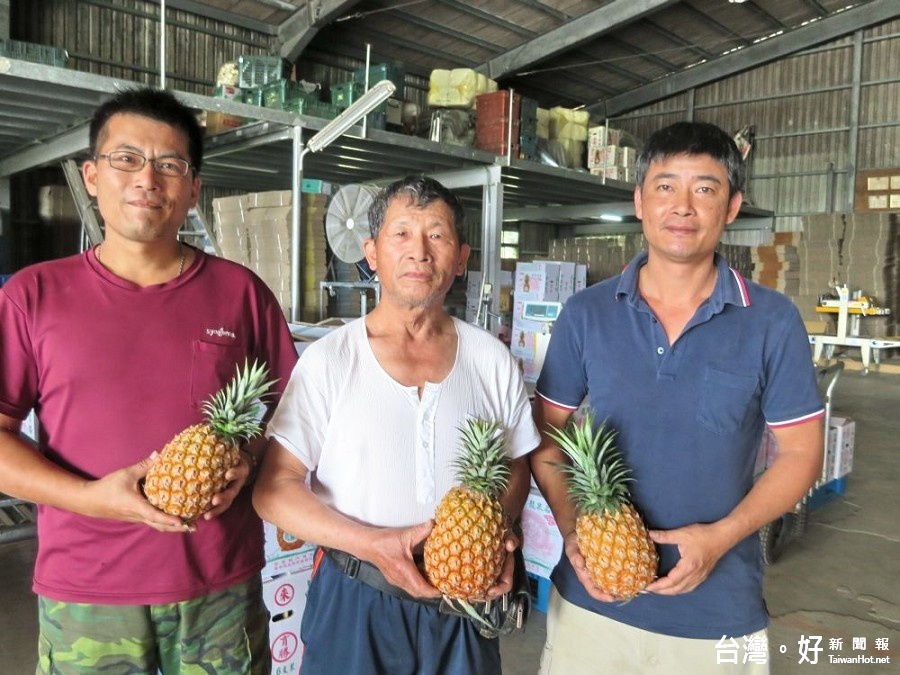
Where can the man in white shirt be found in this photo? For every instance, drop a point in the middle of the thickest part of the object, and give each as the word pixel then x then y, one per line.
pixel 362 446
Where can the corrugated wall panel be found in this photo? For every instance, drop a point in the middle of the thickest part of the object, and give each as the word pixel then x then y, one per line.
pixel 123 41
pixel 801 108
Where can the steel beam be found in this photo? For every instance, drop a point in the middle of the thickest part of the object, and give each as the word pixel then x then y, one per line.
pixel 817 32
pixel 608 18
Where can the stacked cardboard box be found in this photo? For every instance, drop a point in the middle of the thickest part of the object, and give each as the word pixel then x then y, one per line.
pixel 285 598
pixel 858 249
pixel 544 280
pixel 533 281
pixel 255 230
pixel 603 256
pixel 541 542
pixel 606 157
pixel 778 266
pixel 216 122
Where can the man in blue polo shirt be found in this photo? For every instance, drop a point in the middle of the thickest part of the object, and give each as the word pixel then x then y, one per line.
pixel 689 362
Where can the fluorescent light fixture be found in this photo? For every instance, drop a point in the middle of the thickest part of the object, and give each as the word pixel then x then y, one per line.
pixel 610 217
pixel 377 95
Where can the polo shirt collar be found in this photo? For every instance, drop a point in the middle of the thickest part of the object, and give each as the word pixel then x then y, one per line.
pixel 731 289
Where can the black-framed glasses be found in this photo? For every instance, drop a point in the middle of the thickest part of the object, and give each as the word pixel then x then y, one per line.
pixel 124 160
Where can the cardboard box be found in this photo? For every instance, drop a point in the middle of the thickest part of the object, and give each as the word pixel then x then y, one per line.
pixel 285 598
pixel 841 442
pixel 218 122
pixel 543 544
pixel 285 554
pixel 603 135
pixel 522 343
pixel 537 281
pixel 580 276
pixel 566 280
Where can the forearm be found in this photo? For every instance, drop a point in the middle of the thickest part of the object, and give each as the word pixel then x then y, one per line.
pixel 282 497
pixel 553 486
pixel 26 474
pixel 514 498
pixel 779 488
pixel 545 463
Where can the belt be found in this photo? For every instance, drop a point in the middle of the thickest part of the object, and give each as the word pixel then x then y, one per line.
pixel 370 575
pixel 492 619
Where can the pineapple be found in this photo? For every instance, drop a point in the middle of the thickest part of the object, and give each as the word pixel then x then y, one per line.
pixel 618 552
pixel 191 468
pixel 465 552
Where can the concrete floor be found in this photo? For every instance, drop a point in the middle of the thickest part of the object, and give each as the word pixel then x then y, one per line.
pixel 840 580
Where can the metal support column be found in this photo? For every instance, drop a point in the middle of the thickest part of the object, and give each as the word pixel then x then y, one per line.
pixel 296 230
pixel 90 226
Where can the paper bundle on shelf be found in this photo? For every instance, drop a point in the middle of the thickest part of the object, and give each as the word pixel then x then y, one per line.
pixel 255 230
pixel 457 88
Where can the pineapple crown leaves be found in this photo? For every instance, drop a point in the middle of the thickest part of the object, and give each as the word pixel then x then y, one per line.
pixel 597 475
pixel 483 466
pixel 233 411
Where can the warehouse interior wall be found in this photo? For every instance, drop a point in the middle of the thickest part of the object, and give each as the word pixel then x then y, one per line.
pixel 819 117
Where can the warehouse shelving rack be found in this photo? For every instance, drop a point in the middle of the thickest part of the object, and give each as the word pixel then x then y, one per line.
pixel 43 121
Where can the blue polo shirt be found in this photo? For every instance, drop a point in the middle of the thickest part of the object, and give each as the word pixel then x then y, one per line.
pixel 689 417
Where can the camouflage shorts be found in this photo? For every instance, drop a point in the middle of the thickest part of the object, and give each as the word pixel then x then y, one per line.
pixel 223 633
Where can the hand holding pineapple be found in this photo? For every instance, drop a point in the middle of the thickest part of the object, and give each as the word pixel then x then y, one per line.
pixel 620 558
pixel 192 473
pixel 118 496
pixel 466 551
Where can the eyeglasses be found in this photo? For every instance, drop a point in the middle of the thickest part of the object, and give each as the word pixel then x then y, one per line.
pixel 123 160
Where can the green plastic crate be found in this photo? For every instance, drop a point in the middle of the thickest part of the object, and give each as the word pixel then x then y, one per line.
pixel 253 96
pixel 256 71
pixel 344 94
pixel 394 72
pixel 313 108
pixel 31 51
pixel 281 95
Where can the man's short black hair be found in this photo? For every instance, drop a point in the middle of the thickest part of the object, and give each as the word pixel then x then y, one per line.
pixel 693 138
pixel 156 104
pixel 421 191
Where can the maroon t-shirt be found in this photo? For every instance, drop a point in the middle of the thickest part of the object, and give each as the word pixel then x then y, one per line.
pixel 114 371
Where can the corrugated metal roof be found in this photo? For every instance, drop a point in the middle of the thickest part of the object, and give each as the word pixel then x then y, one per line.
pixel 608 55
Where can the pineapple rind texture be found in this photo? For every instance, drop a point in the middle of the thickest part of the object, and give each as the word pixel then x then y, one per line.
pixel 191 468
pixel 620 557
pixel 190 471
pixel 465 552
pixel 462 555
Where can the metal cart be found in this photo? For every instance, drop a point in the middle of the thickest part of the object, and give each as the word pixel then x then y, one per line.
pixel 17 519
pixel 775 536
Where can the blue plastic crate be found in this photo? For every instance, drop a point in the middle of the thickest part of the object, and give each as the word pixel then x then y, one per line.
pixel 540 592
pixel 824 494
